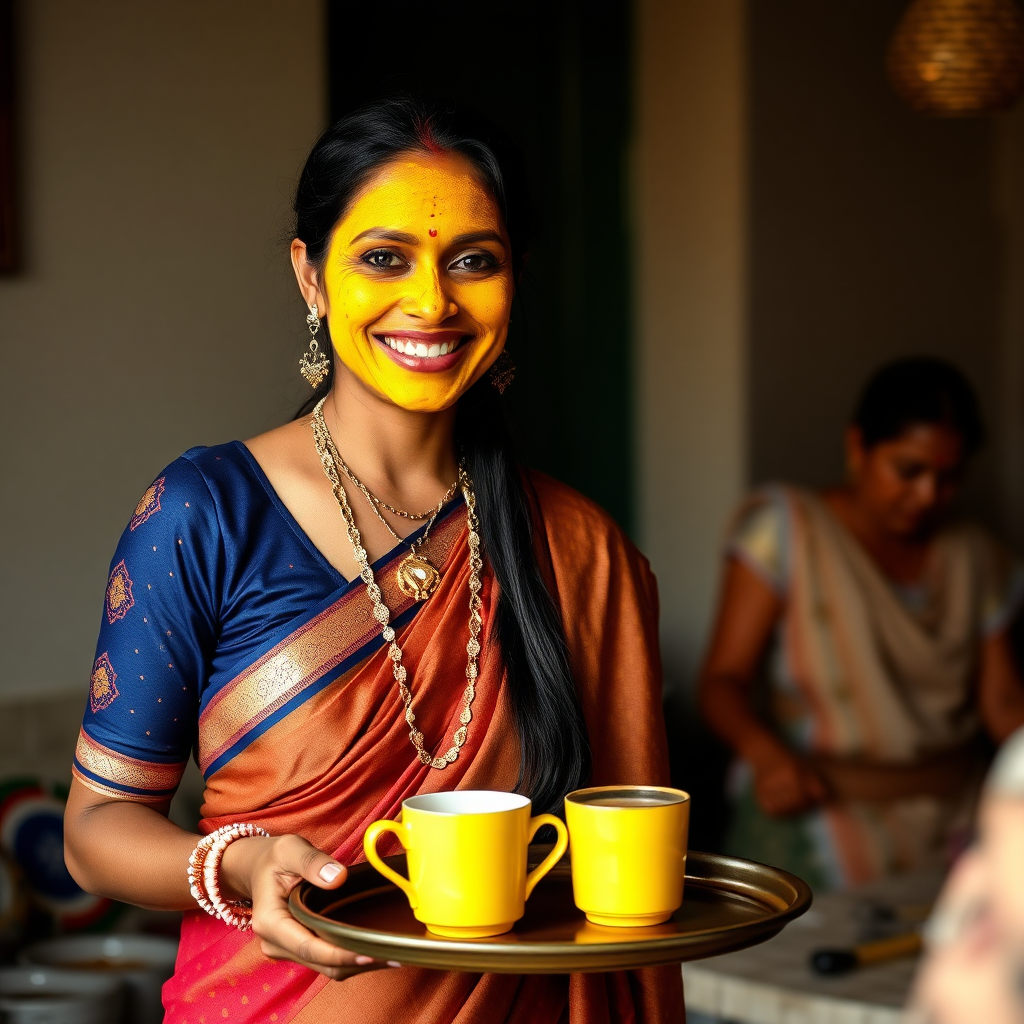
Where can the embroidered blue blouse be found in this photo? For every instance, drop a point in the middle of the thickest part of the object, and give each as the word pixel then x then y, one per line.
pixel 210 566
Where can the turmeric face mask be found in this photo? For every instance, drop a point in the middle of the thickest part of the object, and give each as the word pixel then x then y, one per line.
pixel 418 281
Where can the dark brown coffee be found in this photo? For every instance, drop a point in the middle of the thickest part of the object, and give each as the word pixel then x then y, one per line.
pixel 629 796
pixel 629 801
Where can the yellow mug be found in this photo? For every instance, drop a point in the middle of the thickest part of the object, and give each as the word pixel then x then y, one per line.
pixel 466 853
pixel 628 852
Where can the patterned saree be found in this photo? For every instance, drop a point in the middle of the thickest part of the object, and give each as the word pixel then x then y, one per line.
pixel 304 733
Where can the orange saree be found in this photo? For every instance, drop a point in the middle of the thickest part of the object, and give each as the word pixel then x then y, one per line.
pixel 327 766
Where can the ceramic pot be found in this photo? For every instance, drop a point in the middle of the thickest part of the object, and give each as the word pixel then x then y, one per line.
pixel 49 995
pixel 142 963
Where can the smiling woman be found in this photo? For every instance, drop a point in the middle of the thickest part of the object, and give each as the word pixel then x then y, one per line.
pixel 371 602
pixel 414 266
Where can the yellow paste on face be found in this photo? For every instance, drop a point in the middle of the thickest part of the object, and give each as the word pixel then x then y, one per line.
pixel 422 249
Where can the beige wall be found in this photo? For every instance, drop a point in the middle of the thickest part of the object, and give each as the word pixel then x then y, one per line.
pixel 689 244
pixel 160 142
pixel 872 236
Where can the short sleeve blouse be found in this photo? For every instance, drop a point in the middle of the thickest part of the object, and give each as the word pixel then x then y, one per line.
pixel 210 563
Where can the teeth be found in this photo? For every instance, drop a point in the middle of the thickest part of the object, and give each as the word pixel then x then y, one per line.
pixel 419 349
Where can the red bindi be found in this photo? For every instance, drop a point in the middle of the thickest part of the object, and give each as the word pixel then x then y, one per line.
pixel 433 232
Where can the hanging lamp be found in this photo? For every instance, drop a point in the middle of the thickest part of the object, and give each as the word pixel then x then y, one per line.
pixel 958 57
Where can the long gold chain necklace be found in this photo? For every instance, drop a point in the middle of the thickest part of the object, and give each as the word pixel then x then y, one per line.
pixel 417 575
pixel 324 444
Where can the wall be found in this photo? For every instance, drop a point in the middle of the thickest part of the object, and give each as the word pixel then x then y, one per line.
pixel 1008 194
pixel 159 144
pixel 874 234
pixel 689 287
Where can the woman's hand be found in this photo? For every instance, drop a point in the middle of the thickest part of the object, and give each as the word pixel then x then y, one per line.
pixel 747 615
pixel 1000 690
pixel 151 873
pixel 783 782
pixel 266 871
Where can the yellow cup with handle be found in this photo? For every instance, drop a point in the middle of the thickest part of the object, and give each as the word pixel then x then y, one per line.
pixel 466 853
pixel 628 852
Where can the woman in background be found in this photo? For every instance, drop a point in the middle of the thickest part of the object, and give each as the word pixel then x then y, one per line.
pixel 371 602
pixel 882 631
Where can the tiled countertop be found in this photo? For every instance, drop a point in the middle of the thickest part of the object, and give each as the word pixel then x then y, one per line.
pixel 773 984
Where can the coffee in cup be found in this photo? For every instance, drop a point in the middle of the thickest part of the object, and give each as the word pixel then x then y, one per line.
pixel 628 852
pixel 466 854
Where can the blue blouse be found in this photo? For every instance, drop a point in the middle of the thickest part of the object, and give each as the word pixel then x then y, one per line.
pixel 210 567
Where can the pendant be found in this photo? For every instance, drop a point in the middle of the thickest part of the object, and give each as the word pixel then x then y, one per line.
pixel 417 577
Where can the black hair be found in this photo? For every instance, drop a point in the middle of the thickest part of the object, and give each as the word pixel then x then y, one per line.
pixel 545 703
pixel 915 391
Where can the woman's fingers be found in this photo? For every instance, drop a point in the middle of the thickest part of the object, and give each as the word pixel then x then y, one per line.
pixel 249 863
pixel 273 923
pixel 814 787
pixel 282 864
pixel 778 802
pixel 788 786
pixel 780 789
pixel 266 870
pixel 282 937
pixel 295 856
pixel 355 965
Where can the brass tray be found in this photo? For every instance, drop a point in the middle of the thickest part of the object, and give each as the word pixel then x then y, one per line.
pixel 728 904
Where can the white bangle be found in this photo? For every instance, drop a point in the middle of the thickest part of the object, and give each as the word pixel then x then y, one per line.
pixel 204 874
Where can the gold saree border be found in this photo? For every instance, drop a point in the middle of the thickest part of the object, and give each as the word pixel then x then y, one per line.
pixel 95 765
pixel 326 641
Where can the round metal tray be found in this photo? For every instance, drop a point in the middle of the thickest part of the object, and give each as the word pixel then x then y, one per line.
pixel 728 904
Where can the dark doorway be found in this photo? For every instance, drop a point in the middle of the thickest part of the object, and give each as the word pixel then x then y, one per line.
pixel 556 77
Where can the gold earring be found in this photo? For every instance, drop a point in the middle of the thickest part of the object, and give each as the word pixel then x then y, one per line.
pixel 314 364
pixel 502 372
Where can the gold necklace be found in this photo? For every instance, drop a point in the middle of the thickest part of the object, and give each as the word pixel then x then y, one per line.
pixel 378 503
pixel 416 574
pixel 324 444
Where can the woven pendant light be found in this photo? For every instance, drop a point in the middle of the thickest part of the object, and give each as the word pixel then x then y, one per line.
pixel 959 57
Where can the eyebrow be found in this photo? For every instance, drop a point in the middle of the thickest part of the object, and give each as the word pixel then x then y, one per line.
pixel 384 235
pixel 479 236
pixel 403 238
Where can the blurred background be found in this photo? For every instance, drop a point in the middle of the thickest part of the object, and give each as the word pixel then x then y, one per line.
pixel 737 221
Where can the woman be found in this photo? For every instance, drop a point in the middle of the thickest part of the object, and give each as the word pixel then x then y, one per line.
pixel 307 609
pixel 882 632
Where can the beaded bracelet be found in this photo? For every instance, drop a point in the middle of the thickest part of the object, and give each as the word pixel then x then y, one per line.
pixel 204 871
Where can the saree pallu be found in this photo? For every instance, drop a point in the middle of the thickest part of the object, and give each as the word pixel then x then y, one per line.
pixel 310 738
pixel 870 684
